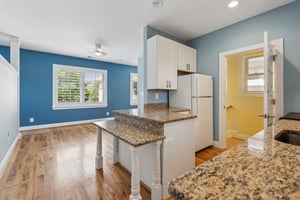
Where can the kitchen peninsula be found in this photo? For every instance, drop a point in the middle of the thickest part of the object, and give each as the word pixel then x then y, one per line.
pixel 259 168
pixel 149 143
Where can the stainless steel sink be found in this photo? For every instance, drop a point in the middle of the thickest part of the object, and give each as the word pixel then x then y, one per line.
pixel 290 137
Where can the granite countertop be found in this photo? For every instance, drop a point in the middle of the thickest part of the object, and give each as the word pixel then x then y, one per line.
pixel 259 168
pixel 129 134
pixel 161 114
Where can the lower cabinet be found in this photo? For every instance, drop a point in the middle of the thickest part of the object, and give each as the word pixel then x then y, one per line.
pixel 178 154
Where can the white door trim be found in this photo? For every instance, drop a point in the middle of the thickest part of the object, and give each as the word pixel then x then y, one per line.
pixel 222 83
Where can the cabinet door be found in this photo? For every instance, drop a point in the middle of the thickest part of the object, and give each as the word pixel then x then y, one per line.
pixel 163 62
pixel 172 66
pixel 186 58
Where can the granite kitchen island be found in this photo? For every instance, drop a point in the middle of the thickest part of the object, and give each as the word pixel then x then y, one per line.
pixel 149 143
pixel 259 168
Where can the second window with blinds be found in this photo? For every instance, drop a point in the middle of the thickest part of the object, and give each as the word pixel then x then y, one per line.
pixel 253 80
pixel 79 87
pixel 133 89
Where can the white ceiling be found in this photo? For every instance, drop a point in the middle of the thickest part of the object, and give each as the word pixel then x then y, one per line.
pixel 72 27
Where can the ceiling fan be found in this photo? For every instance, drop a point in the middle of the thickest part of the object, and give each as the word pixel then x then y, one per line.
pixel 99 51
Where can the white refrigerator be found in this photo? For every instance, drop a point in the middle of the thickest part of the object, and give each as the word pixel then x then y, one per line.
pixel 195 92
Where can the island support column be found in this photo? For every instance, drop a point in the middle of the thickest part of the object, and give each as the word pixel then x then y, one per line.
pixel 156 190
pixel 115 150
pixel 135 174
pixel 99 157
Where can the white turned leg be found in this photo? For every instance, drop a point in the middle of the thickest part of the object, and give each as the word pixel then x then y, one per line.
pixel 156 190
pixel 115 150
pixel 99 158
pixel 135 174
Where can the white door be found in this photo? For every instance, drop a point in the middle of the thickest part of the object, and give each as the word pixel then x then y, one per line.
pixel 278 65
pixel 268 86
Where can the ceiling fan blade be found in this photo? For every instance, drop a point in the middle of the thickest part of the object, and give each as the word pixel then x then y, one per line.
pixel 99 51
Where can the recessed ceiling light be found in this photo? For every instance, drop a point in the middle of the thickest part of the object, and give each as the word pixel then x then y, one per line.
pixel 233 4
pixel 157 3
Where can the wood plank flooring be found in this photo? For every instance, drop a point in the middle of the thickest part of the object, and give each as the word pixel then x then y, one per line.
pixel 58 164
pixel 210 152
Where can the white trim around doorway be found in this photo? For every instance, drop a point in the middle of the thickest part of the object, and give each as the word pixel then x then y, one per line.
pixel 222 83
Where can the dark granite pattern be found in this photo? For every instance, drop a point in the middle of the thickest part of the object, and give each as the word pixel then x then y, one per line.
pixel 146 124
pixel 160 115
pixel 259 168
pixel 129 134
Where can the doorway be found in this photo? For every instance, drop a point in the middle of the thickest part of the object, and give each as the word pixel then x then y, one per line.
pixel 244 95
pixel 277 45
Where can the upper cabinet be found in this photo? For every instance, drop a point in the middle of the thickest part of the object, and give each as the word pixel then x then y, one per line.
pixel 164 58
pixel 161 63
pixel 186 58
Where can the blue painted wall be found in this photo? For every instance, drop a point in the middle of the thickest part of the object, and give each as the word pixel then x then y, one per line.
pixel 4 51
pixel 282 22
pixel 36 87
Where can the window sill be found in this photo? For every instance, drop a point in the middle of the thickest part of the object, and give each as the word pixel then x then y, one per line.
pixel 67 107
pixel 133 103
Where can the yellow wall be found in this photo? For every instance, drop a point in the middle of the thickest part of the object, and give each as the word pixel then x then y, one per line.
pixel 242 117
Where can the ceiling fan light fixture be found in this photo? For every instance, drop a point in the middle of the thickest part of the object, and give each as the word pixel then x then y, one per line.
pixel 157 3
pixel 233 4
pixel 99 51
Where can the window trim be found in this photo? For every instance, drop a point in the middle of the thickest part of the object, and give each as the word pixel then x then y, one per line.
pixel 245 92
pixel 63 106
pixel 133 102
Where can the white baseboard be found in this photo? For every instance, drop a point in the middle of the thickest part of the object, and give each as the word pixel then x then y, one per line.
pixel 231 133
pixel 26 128
pixel 5 160
pixel 218 145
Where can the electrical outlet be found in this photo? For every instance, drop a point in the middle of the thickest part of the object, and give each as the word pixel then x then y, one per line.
pixel 107 113
pixel 31 119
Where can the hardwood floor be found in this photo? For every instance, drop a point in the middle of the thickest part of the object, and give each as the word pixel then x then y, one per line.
pixel 210 152
pixel 58 164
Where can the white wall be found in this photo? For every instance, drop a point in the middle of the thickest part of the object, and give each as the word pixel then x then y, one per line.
pixel 8 111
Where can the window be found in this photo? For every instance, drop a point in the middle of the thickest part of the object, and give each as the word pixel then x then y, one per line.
pixel 254 74
pixel 133 89
pixel 77 87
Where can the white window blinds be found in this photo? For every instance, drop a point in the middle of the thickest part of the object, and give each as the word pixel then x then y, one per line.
pixel 133 89
pixel 255 74
pixel 77 87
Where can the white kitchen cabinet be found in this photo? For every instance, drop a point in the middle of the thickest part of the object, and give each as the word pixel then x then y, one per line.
pixel 178 155
pixel 161 63
pixel 186 58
